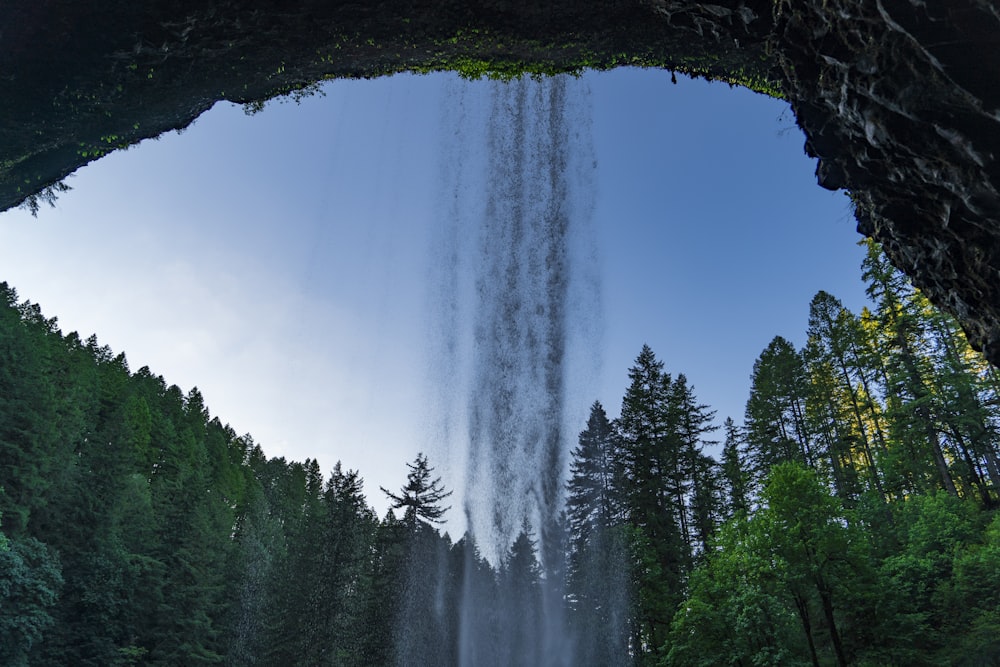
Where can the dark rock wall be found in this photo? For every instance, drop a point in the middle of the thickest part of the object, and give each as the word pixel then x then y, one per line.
pixel 81 79
pixel 899 99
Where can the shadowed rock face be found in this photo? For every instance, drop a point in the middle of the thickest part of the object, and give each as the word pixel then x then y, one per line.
pixel 901 104
pixel 899 99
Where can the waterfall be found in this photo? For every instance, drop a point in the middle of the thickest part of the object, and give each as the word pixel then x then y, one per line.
pixel 518 317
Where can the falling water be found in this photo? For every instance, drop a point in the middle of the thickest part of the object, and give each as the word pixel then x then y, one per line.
pixel 516 261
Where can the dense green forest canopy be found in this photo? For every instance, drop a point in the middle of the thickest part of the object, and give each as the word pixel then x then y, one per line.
pixel 849 519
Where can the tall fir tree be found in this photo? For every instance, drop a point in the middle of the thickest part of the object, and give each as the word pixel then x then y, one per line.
pixel 844 392
pixel 421 497
pixel 693 479
pixel 736 478
pixel 598 590
pixel 649 454
pixel 776 410
pixel 427 638
pixel 910 399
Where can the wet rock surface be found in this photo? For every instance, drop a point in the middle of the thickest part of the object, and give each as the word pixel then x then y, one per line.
pixel 899 99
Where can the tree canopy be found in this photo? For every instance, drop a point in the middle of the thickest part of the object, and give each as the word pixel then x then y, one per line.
pixel 851 519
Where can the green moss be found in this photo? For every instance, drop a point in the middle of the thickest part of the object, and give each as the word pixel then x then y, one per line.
pixel 295 92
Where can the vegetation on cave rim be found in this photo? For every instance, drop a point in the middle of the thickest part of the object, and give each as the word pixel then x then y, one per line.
pixel 36 191
pixel 851 519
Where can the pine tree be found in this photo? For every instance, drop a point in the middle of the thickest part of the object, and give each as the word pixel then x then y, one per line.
pixel 908 376
pixel 649 454
pixel 476 610
pixel 193 541
pixel 707 504
pixel 258 548
pixel 692 480
pixel 342 588
pixel 775 413
pixel 29 458
pixel 843 390
pixel 597 587
pixel 296 633
pixel 592 492
pixel 521 601
pixel 427 637
pixel 388 575
pixel 966 400
pixel 421 496
pixel 735 476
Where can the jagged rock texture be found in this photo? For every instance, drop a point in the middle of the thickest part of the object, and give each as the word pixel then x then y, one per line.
pixel 900 101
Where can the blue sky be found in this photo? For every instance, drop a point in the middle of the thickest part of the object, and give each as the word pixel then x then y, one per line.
pixel 279 261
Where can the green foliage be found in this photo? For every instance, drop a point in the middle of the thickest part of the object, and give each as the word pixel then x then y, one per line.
pixel 30 581
pixel 775 413
pixel 733 470
pixel 47 195
pixel 873 533
pixel 475 68
pixel 975 590
pixel 733 614
pixel 421 496
pixel 597 585
pixel 289 92
pixel 851 520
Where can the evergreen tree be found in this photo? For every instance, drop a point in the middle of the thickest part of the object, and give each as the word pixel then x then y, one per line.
pixel 707 504
pixel 421 496
pixel 138 529
pixel 388 576
pixel 297 632
pixel 258 548
pixel 840 452
pixel 733 470
pixel 341 588
pixel 477 614
pixel 775 413
pixel 29 458
pixel 521 602
pixel 597 586
pixel 908 378
pixel 854 426
pixel 427 637
pixel 649 454
pixel 193 542
pixel 693 481
pixel 966 399
pixel 592 502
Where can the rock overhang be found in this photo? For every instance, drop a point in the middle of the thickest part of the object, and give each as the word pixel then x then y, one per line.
pixel 899 100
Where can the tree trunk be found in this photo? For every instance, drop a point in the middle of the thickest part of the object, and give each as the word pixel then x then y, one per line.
pixel 919 391
pixel 942 466
pixel 802 605
pixel 873 469
pixel 826 598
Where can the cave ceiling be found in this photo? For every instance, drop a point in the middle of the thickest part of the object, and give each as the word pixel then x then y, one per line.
pixel 899 100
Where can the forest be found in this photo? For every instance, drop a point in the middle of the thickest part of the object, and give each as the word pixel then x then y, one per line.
pixel 850 518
